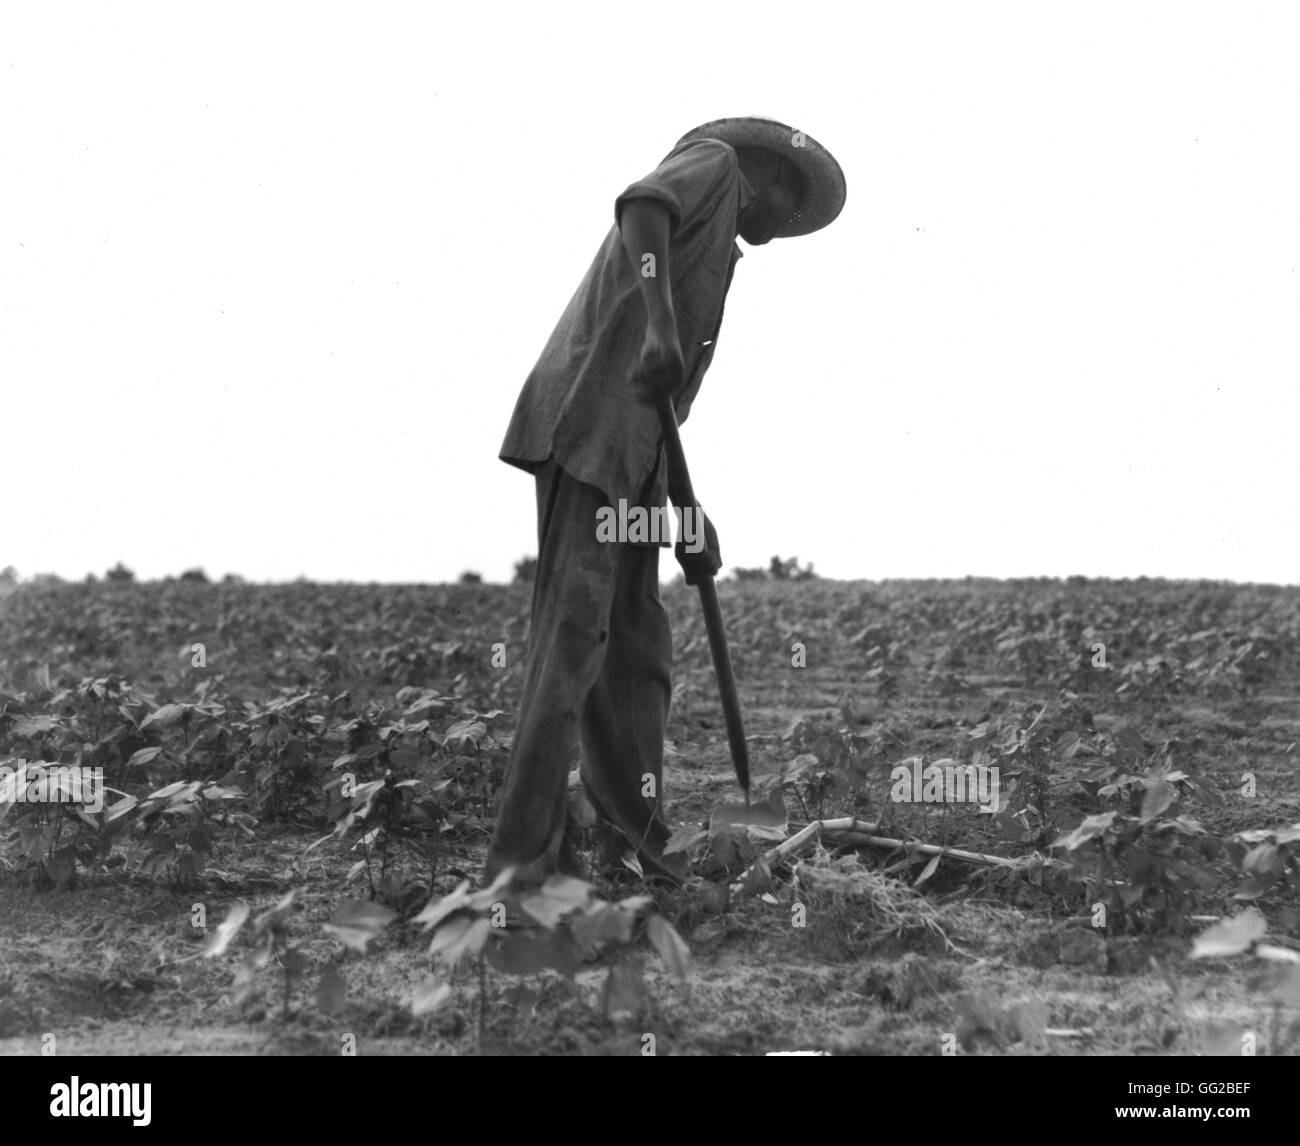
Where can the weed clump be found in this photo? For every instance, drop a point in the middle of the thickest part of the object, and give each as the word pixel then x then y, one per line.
pixel 854 910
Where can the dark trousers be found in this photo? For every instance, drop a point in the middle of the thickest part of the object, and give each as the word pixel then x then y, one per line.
pixel 599 674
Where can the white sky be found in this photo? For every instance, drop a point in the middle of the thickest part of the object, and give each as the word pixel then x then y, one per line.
pixel 271 276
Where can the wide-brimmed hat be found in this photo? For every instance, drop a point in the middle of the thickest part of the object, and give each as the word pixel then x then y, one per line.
pixel 824 186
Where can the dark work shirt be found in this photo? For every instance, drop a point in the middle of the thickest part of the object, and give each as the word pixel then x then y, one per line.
pixel 578 405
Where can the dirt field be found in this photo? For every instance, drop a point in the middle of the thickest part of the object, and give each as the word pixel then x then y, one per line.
pixel 219 713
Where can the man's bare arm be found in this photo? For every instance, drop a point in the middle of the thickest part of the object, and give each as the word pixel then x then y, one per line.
pixel 644 225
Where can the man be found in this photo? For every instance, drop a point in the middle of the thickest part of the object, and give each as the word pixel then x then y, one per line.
pixel 645 319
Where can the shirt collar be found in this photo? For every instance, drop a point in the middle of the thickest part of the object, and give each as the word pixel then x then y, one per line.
pixel 746 191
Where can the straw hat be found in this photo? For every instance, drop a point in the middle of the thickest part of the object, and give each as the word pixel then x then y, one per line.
pixel 824 186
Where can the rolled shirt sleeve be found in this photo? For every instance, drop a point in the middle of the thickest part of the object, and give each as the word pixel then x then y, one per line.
pixel 691 182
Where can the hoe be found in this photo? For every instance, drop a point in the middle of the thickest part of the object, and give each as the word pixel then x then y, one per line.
pixel 683 496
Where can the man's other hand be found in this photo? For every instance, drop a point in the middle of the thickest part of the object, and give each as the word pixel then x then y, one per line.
pixel 707 559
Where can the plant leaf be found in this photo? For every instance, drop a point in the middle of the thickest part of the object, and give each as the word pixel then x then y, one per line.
pixel 438 909
pixel 226 930
pixel 1092 826
pixel 687 836
pixel 429 996
pixel 670 945
pixel 459 937
pixel 558 896
pixel 928 870
pixel 1230 936
pixel 1158 796
pixel 357 922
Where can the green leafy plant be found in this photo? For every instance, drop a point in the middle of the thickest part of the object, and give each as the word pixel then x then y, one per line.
pixel 1151 866
pixel 557 928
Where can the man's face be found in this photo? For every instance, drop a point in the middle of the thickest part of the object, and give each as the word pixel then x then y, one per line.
pixel 774 198
pixel 771 207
